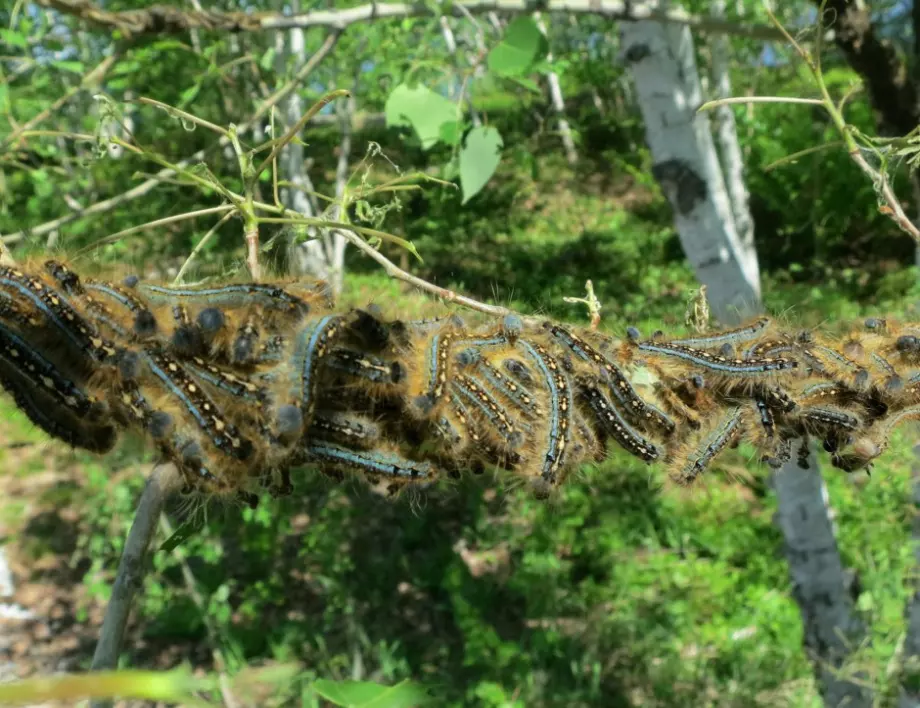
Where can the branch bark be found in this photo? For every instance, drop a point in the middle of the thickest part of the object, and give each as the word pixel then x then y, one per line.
pixel 163 481
pixel 891 91
pixel 162 19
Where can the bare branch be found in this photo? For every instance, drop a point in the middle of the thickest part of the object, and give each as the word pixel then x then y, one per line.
pixel 162 19
pixel 163 481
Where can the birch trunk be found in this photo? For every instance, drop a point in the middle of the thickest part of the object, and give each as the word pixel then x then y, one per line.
pixel 555 93
pixel 311 257
pixel 727 133
pixel 822 587
pixel 667 87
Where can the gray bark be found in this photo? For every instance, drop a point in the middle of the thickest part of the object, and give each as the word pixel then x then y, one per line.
pixel 662 65
pixel 730 148
pixel 824 590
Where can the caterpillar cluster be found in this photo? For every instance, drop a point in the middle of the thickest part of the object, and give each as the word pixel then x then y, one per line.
pixel 238 384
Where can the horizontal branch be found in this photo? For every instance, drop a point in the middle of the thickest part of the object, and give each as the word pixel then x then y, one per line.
pixel 162 19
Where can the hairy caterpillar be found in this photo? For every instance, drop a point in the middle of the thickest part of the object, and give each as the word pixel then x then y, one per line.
pixel 745 333
pixel 693 459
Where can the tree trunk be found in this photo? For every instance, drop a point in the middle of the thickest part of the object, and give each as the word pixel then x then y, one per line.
pixel 310 257
pixel 555 93
pixel 729 147
pixel 663 69
pixel 822 587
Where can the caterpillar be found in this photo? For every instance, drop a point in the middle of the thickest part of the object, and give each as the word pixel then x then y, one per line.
pixel 691 461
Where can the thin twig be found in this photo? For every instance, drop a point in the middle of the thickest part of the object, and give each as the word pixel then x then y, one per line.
pixel 201 244
pixel 111 238
pixel 297 127
pixel 148 185
pixel 94 76
pixel 163 481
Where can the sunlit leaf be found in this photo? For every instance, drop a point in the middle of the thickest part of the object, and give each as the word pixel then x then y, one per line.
pixel 363 694
pixel 479 157
pixel 421 109
pixel 520 49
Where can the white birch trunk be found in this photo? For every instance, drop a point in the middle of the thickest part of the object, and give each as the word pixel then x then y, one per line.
pixel 346 112
pixel 823 589
pixel 555 93
pixel 311 257
pixel 663 69
pixel 730 148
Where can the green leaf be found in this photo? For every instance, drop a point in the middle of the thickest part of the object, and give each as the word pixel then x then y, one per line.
pixel 479 157
pixel 364 694
pixel 74 67
pixel 13 39
pixel 268 59
pixel 526 83
pixel 183 533
pixel 421 109
pixel 522 46
pixel 189 95
pixel 450 132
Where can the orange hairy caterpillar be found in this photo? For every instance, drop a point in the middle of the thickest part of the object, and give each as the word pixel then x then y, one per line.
pixel 369 367
pixel 723 366
pixel 226 381
pixel 57 422
pixel 182 387
pixel 58 312
pixel 144 322
pixel 311 345
pixel 860 453
pixel 490 411
pixel 611 422
pixel 345 428
pixel 745 333
pixel 699 452
pixel 515 393
pixel 373 463
pixel 428 391
pixel 18 354
pixel 559 406
pixel 633 405
pixel 235 295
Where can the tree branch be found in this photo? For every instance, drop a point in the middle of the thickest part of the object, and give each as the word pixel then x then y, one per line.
pixel 162 19
pixel 163 481
pixel 891 91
